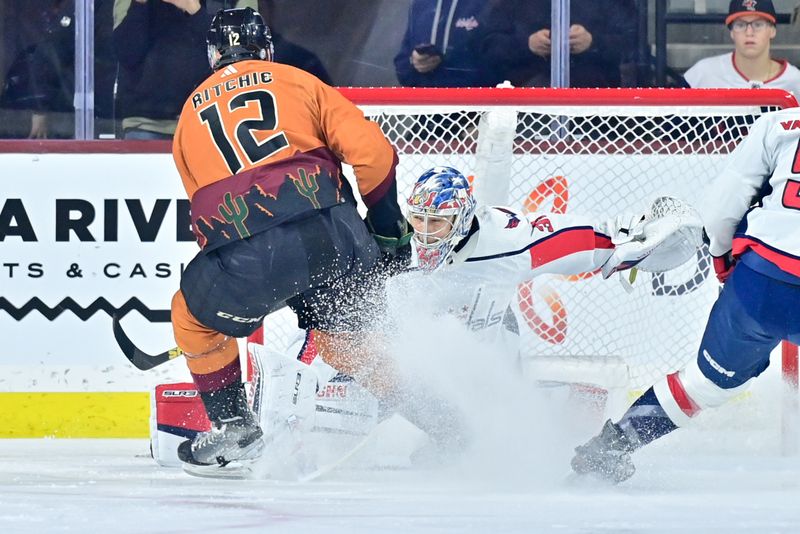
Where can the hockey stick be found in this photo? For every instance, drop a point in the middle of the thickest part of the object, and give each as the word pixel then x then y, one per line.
pixel 627 281
pixel 140 359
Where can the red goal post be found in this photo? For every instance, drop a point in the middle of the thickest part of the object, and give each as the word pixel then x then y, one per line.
pixel 600 151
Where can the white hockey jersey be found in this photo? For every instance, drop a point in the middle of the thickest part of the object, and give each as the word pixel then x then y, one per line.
pixel 754 202
pixel 478 282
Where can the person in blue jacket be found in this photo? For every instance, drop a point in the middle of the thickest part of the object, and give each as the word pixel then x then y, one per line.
pixel 437 50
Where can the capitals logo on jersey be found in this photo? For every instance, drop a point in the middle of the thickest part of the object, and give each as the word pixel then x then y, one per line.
pixel 542 223
pixel 513 220
pixel 478 316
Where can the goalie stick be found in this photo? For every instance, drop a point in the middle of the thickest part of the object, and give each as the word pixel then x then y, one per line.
pixel 140 359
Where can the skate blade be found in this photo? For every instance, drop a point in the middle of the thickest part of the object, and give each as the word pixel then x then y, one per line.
pixel 589 481
pixel 241 468
pixel 236 470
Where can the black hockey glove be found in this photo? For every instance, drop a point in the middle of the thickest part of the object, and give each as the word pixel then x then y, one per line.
pixel 395 251
pixel 392 233
pixel 395 248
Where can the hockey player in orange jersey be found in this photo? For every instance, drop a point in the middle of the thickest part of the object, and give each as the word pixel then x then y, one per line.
pixel 259 147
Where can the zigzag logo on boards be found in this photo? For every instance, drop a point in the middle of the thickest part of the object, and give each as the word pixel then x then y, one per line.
pixel 81 312
pixel 83 256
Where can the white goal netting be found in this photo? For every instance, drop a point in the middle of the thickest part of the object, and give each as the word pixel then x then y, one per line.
pixel 596 152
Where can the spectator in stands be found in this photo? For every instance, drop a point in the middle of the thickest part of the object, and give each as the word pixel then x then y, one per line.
pixel 161 48
pixel 752 27
pixel 514 36
pixel 290 53
pixel 41 79
pixel 436 50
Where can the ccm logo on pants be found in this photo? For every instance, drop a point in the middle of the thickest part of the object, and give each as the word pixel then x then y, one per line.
pixel 225 315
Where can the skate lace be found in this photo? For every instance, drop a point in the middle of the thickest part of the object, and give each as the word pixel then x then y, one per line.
pixel 208 438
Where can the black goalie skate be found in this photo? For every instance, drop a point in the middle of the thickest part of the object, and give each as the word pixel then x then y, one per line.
pixel 606 456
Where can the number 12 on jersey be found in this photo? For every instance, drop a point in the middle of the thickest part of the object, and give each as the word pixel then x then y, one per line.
pixel 243 134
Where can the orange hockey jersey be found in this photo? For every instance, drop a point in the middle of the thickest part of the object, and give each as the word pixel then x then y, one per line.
pixel 259 143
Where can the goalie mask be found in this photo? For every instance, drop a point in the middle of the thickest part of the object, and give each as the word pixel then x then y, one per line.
pixel 440 208
pixel 238 35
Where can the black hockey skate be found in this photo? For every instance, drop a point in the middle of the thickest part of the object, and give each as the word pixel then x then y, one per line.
pixel 235 436
pixel 607 456
pixel 228 440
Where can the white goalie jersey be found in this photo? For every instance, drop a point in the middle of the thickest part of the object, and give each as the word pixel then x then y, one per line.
pixel 478 282
pixel 754 203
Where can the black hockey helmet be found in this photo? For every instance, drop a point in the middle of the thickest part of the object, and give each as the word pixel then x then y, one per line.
pixel 237 35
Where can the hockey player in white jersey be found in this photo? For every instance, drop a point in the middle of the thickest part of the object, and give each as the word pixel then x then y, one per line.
pixel 477 255
pixel 752 220
pixel 471 259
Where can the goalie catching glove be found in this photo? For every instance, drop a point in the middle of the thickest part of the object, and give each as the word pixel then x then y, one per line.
pixel 664 237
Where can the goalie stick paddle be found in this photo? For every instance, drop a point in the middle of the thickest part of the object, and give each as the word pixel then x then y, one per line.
pixel 140 359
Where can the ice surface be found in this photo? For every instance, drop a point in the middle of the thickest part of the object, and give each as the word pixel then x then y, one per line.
pixel 717 478
pixel 723 474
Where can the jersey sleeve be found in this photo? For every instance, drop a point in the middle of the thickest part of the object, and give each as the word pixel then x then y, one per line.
pixel 731 193
pixel 565 244
pixel 189 183
pixel 540 242
pixel 360 143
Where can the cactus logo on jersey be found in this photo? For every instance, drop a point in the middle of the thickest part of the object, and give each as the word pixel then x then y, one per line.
pixel 307 185
pixel 234 211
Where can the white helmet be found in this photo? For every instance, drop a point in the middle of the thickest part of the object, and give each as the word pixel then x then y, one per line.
pixel 441 198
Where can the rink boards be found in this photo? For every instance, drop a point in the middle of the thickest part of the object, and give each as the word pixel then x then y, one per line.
pixel 84 235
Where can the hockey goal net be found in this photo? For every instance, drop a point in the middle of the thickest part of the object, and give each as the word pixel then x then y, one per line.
pixel 592 151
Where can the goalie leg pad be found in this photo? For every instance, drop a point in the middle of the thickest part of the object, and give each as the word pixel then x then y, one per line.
pixel 288 409
pixel 289 390
pixel 177 414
